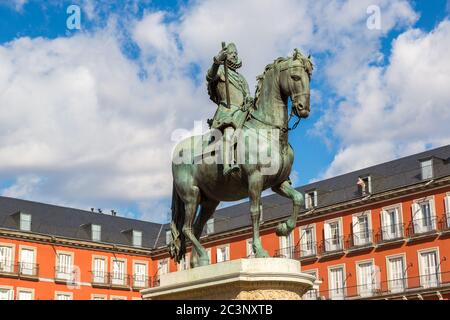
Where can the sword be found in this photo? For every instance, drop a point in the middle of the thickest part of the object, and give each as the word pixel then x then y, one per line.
pixel 227 88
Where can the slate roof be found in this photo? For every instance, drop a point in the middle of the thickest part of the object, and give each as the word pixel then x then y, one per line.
pixel 73 223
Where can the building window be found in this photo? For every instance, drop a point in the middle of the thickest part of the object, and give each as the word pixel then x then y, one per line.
pixel 26 263
pixel 210 226
pixel 249 246
pixel 364 185
pixel 96 232
pixel 308 241
pixel 137 238
pixel 168 236
pixel 287 246
pixel 25 222
pixel 64 266
pixel 118 298
pixel 63 296
pixel 429 269
pixel 336 283
pixel 6 294
pixel 163 266
pixel 361 229
pixel 99 270
pixel 6 259
pixel 118 272
pixel 313 293
pixel 447 212
pixel 184 263
pixel 423 216
pixel 311 199
pixel 426 168
pixel 25 294
pixel 223 253
pixel 140 275
pixel 98 297
pixel 396 274
pixel 366 277
pixel 391 224
pixel 332 231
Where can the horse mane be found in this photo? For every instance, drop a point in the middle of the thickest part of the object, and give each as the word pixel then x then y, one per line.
pixel 262 76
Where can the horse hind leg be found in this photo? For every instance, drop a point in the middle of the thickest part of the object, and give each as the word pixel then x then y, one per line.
pixel 255 189
pixel 207 209
pixel 285 189
pixel 191 202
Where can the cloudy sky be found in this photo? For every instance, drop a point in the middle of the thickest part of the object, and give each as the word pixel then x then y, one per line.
pixel 87 116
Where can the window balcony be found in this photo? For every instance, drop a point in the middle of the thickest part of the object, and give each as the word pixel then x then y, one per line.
pixel 312 294
pixel 101 279
pixel 360 240
pixel 141 281
pixel 444 224
pixel 332 246
pixel 65 274
pixel 288 252
pixel 422 227
pixel 119 280
pixel 8 268
pixel 390 233
pixel 300 252
pixel 28 270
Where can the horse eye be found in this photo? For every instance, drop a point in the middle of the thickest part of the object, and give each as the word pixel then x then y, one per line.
pixel 295 77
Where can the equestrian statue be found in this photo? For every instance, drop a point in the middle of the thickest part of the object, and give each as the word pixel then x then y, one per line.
pixel 200 185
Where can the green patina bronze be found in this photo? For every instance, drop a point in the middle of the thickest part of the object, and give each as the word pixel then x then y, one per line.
pixel 199 187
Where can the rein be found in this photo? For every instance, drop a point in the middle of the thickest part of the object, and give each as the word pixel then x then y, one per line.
pixel 283 129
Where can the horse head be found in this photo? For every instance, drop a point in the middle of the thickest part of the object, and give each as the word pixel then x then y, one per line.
pixel 295 77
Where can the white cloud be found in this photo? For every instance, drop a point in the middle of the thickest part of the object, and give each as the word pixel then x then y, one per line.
pixel 398 109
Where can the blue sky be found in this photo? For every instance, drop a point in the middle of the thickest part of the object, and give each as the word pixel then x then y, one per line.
pixel 88 114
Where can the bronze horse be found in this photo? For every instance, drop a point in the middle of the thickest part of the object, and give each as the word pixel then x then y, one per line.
pixel 203 184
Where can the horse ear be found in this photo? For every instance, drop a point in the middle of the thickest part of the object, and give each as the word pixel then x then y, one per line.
pixel 296 54
pixel 309 56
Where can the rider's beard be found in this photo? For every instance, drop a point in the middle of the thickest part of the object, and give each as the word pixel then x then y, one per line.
pixel 236 64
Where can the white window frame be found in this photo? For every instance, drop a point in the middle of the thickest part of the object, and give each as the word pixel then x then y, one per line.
pixel 286 246
pixel 135 237
pixel 210 226
pixel 161 262
pixel 310 199
pixel 96 232
pixel 168 236
pixel 98 277
pixel 368 185
pixel 227 252
pixel 304 251
pixel 344 289
pixel 27 290
pixel 390 278
pixel 115 297
pixel 25 225
pixel 27 265
pixel 119 281
pixel 447 209
pixel 249 248
pixel 7 266
pixel 426 169
pixel 375 280
pixel 438 262
pixel 67 294
pixel 356 230
pixel 330 247
pixel 142 282
pixel 184 263
pixel 417 216
pixel 10 289
pixel 385 225
pixel 100 296
pixel 313 293
pixel 64 272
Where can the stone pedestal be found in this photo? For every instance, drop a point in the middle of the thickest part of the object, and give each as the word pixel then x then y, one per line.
pixel 243 279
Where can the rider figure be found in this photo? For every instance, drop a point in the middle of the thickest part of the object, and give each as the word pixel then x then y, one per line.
pixel 228 118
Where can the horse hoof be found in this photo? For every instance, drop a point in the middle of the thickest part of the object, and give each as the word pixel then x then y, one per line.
pixel 282 230
pixel 203 262
pixel 262 254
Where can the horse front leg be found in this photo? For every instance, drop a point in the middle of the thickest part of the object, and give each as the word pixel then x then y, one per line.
pixel 285 189
pixel 191 204
pixel 207 209
pixel 255 188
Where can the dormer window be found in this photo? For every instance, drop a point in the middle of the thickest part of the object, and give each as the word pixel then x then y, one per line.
pixel 426 167
pixel 311 199
pixel 137 238
pixel 25 222
pixel 364 185
pixel 210 226
pixel 168 236
pixel 96 232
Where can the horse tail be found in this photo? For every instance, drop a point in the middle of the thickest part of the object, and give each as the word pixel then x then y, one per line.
pixel 177 246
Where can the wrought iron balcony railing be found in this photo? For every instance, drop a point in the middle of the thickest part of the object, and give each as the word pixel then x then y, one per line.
pixel 360 239
pixel 21 269
pixel 301 251
pixel 422 226
pixel 8 267
pixel 388 233
pixel 400 286
pixel 331 245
